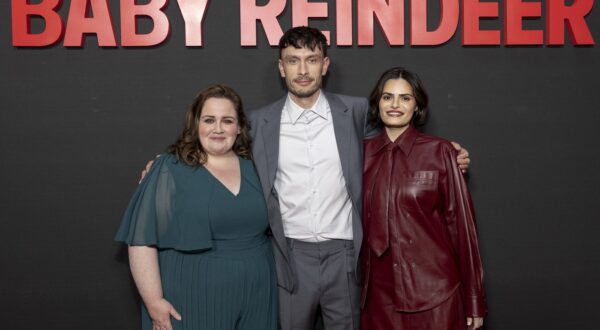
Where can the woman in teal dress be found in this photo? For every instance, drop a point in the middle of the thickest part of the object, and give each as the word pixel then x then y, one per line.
pixel 196 227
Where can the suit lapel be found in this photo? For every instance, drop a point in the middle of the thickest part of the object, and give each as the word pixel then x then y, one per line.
pixel 270 132
pixel 342 126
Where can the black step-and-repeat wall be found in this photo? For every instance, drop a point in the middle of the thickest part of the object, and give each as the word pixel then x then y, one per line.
pixel 77 125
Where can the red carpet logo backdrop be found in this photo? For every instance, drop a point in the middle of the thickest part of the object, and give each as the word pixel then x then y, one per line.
pixel 86 17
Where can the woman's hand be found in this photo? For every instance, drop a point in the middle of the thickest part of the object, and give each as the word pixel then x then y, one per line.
pixel 474 322
pixel 462 159
pixel 161 312
pixel 143 261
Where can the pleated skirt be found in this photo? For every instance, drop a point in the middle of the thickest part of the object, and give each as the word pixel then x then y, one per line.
pixel 232 286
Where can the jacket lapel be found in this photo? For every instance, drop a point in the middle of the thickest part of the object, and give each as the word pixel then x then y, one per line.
pixel 342 126
pixel 270 133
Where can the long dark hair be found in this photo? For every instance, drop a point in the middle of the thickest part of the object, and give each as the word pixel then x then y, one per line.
pixel 420 115
pixel 188 148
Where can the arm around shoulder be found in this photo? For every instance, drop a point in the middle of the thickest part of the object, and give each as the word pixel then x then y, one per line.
pixel 462 158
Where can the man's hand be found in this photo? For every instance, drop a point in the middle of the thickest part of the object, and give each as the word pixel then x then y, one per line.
pixel 146 170
pixel 462 159
pixel 474 322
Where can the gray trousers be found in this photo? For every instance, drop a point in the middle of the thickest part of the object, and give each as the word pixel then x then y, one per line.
pixel 326 283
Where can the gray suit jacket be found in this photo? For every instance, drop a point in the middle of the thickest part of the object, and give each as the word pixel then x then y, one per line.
pixel 349 123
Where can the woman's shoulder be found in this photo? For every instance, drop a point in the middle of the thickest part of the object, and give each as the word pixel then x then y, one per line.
pixel 373 144
pixel 165 159
pixel 176 168
pixel 162 163
pixel 246 165
pixel 245 162
pixel 433 140
pixel 173 161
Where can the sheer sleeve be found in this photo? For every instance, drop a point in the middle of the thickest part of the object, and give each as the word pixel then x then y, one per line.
pixel 149 214
pixel 151 217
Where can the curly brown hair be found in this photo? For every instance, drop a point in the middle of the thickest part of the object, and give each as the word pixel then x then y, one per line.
pixel 188 148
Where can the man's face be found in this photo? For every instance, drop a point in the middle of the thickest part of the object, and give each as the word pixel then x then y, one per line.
pixel 303 70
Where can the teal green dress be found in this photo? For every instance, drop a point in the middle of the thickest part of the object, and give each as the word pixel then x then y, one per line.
pixel 215 259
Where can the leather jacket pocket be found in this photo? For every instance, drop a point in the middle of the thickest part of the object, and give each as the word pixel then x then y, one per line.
pixel 420 191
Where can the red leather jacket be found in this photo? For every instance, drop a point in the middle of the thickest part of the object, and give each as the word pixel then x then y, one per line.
pixel 415 184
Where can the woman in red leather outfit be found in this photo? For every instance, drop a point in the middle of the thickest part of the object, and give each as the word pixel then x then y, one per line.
pixel 420 261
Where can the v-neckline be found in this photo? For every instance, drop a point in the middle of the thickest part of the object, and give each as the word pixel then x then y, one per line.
pixel 221 182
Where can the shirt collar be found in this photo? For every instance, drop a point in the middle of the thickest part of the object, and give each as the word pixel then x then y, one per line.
pixel 321 108
pixel 405 141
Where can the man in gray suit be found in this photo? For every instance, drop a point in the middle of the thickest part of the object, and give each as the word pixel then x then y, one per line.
pixel 308 149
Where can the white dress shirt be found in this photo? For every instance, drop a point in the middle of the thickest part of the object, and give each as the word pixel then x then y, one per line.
pixel 315 205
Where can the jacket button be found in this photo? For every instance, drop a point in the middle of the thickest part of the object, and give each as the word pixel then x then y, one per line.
pixel 395 264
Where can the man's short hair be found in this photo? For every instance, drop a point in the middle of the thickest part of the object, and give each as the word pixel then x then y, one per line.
pixel 303 36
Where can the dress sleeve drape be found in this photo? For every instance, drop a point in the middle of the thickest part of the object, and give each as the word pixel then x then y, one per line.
pixel 460 217
pixel 152 218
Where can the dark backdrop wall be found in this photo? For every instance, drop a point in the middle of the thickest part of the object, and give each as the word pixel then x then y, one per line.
pixel 78 125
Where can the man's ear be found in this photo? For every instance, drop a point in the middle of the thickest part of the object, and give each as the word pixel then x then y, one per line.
pixel 325 66
pixel 281 71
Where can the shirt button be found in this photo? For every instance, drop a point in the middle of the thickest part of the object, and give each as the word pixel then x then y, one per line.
pixel 395 264
pixel 411 241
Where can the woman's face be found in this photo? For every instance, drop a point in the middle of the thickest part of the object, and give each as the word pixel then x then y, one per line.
pixel 397 105
pixel 218 126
